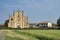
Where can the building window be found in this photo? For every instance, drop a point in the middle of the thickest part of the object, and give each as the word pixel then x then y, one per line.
pixel 18 14
pixel 45 24
pixel 18 17
pixel 41 24
pixel 11 19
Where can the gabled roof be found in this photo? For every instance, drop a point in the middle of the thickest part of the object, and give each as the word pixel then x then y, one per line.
pixel 45 22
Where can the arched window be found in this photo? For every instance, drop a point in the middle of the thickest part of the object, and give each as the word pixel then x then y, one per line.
pixel 18 17
pixel 11 19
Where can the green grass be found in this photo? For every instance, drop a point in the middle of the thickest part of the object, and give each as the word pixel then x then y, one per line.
pixel 32 34
pixel 12 38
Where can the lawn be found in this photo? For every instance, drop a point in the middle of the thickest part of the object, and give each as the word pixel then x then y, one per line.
pixel 32 34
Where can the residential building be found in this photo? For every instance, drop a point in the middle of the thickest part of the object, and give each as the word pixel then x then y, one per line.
pixel 47 24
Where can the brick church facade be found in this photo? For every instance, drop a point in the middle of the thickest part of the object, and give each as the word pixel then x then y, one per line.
pixel 18 20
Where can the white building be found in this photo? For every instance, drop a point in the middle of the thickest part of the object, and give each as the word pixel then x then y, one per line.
pixel 47 24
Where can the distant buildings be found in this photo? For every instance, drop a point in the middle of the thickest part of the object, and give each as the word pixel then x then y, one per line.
pixel 18 20
pixel 44 24
pixel 47 24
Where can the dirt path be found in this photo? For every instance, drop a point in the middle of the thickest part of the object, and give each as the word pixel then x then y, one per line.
pixel 1 35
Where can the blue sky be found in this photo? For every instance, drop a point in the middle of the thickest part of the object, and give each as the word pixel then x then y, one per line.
pixel 36 10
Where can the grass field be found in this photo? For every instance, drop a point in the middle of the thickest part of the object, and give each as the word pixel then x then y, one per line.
pixel 32 34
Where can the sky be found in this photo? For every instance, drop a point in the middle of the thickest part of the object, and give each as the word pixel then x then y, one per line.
pixel 36 10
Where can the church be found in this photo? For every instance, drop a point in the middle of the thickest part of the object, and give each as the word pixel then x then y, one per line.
pixel 18 20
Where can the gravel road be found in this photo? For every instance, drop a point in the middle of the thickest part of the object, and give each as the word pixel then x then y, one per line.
pixel 1 35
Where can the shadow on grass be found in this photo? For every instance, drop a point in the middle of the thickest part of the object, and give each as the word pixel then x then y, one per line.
pixel 39 37
pixel 43 38
pixel 8 28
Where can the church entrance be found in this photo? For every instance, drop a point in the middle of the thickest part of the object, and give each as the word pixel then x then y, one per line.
pixel 18 26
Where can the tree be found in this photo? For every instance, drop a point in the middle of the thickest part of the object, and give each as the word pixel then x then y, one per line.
pixel 58 21
pixel 6 23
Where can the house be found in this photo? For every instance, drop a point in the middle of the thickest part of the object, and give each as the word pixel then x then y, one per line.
pixel 47 24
